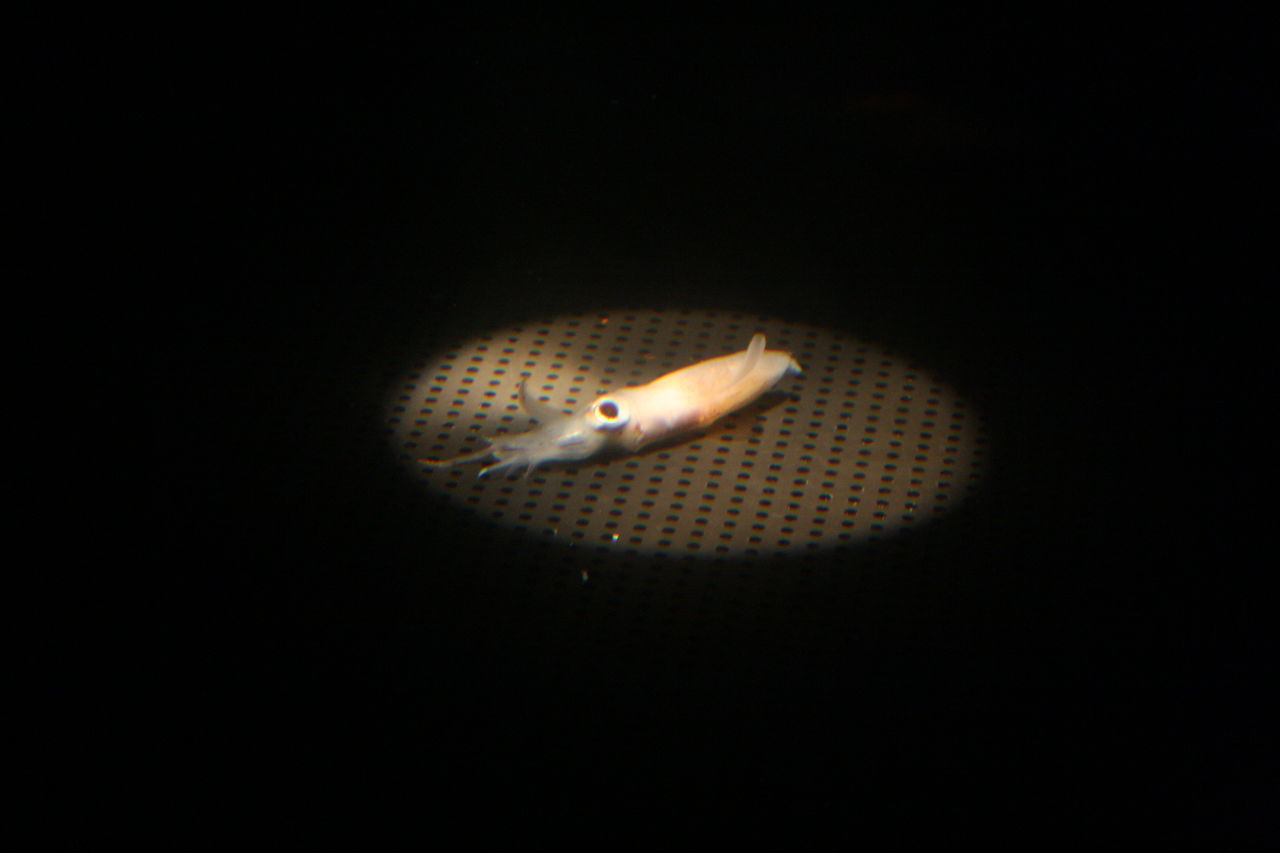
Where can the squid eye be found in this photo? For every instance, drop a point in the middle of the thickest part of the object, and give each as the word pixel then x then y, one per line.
pixel 611 414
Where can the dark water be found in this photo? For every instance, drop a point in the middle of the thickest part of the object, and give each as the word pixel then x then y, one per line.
pixel 1012 207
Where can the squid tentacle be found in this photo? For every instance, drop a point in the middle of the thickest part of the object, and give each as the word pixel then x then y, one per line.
pixel 535 408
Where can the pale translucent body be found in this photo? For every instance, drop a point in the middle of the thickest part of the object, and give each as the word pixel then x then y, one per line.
pixel 629 419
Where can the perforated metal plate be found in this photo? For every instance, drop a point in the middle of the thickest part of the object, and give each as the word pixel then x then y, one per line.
pixel 860 445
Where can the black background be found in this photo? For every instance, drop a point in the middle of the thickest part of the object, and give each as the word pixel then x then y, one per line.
pixel 1047 212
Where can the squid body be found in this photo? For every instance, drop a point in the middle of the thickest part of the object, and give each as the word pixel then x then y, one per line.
pixel 629 419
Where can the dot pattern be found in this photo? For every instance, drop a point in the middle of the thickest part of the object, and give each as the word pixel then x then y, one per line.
pixel 862 444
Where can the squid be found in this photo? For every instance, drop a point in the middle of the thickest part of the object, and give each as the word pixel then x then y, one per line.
pixel 629 419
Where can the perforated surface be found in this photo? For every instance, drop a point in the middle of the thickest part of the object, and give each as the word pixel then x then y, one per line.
pixel 860 445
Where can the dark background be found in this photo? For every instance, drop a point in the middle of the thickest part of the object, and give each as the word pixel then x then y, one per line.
pixel 1049 213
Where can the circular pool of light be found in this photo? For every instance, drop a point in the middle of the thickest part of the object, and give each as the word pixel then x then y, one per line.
pixel 861 445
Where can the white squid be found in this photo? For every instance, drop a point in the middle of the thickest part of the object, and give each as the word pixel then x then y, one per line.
pixel 629 419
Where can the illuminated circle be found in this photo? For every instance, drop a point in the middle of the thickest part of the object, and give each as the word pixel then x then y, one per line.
pixel 863 444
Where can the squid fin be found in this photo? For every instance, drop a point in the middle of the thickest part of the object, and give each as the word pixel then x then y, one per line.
pixel 755 349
